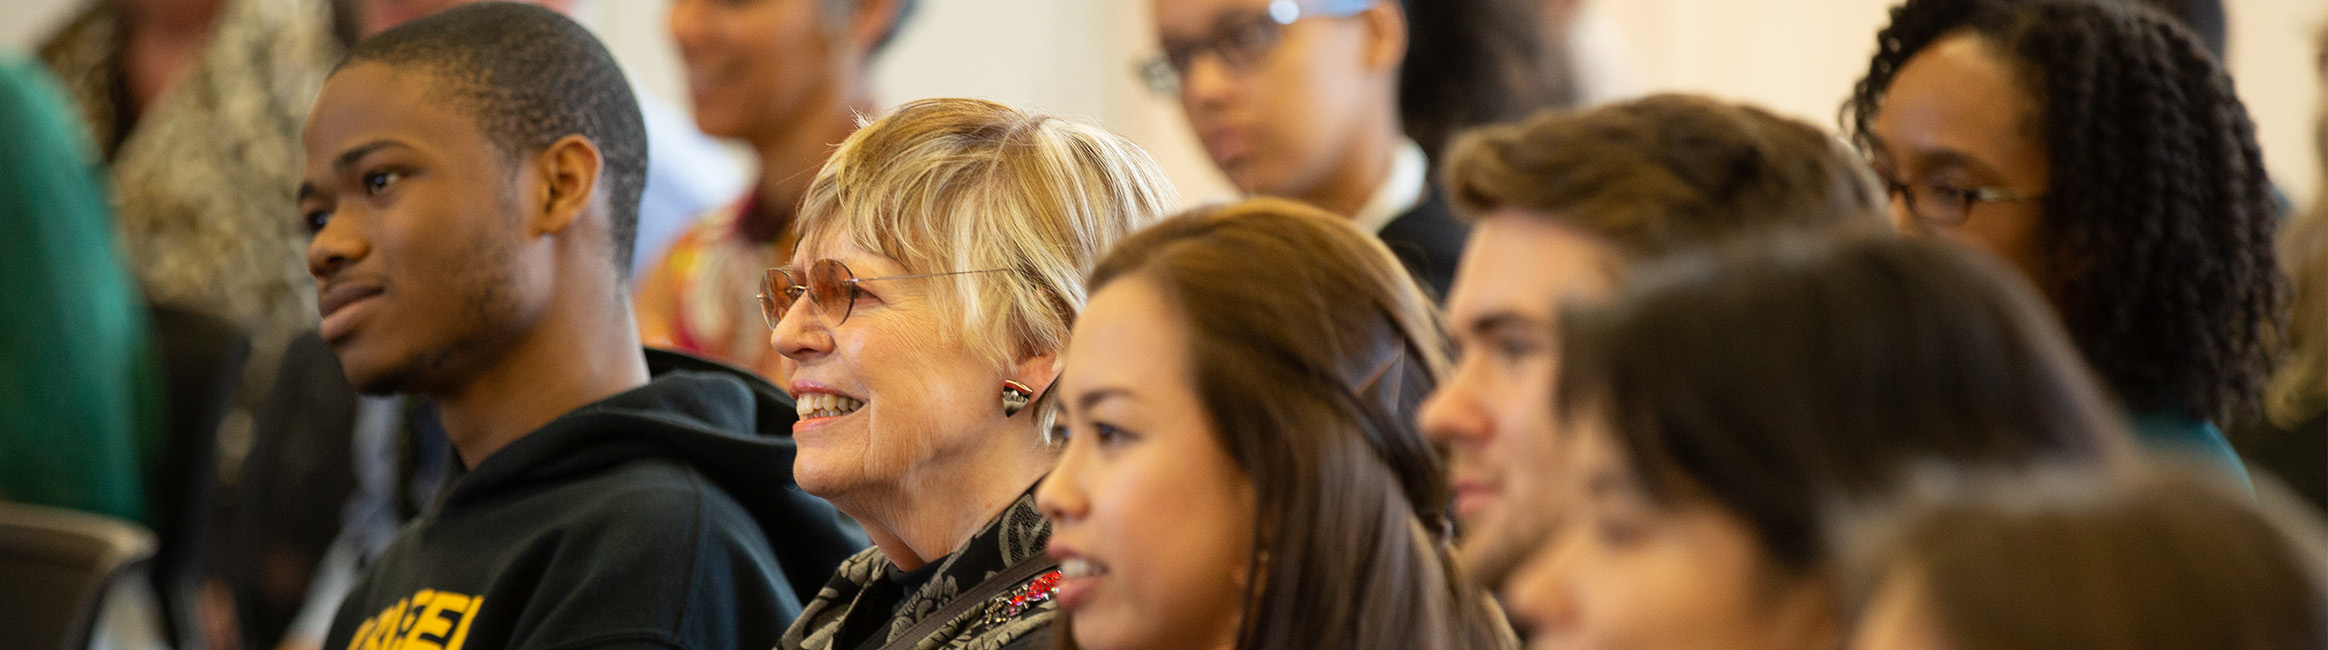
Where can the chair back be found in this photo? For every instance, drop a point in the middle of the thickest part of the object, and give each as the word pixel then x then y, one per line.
pixel 202 358
pixel 55 566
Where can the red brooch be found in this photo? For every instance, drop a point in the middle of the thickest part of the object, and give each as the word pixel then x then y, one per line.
pixel 1043 588
pixel 1005 606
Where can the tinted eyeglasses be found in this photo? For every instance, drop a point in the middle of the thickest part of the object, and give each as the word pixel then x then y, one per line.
pixel 828 284
pixel 1240 41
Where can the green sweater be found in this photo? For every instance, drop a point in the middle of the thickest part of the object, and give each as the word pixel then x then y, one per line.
pixel 78 397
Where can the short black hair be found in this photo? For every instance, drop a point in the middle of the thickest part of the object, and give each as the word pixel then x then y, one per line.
pixel 2160 215
pixel 531 76
pixel 1782 376
pixel 1475 62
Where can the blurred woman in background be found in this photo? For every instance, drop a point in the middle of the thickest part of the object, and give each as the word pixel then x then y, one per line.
pixel 789 78
pixel 2292 436
pixel 1725 401
pixel 1241 467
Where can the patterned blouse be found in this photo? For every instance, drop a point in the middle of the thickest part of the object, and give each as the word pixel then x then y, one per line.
pixel 203 180
pixel 702 296
pixel 862 608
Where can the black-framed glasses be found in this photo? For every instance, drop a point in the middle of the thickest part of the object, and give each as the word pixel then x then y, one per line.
pixel 1239 42
pixel 1947 205
pixel 828 284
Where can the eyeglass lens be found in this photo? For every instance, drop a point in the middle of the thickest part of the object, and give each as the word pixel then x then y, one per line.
pixel 1239 48
pixel 828 284
pixel 1933 204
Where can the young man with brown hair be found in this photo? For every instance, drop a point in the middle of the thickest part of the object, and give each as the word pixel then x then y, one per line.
pixel 1559 204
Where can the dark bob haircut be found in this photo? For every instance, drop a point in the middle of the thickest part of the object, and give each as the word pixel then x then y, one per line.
pixel 1777 376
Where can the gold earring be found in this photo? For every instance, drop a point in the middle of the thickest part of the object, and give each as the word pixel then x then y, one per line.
pixel 1015 397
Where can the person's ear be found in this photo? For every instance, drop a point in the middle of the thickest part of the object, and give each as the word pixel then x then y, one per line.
pixel 1038 372
pixel 1029 384
pixel 873 22
pixel 1386 35
pixel 569 171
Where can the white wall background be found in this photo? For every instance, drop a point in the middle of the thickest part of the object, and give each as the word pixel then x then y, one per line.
pixel 1074 57
pixel 1801 56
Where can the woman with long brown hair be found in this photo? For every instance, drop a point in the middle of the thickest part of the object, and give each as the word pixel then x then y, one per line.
pixel 1241 468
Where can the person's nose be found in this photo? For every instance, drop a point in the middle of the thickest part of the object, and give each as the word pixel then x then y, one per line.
pixel 1539 594
pixel 339 244
pixel 1452 414
pixel 1061 497
pixel 801 334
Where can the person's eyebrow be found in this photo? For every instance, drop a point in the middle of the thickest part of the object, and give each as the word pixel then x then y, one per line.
pixel 1875 144
pixel 1501 321
pixel 357 153
pixel 345 160
pixel 1088 398
pixel 1938 158
pixel 1233 20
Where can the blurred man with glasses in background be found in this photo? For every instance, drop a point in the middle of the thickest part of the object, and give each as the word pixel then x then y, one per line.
pixel 1305 99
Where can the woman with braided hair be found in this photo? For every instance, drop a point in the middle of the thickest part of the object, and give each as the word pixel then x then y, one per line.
pixel 2100 150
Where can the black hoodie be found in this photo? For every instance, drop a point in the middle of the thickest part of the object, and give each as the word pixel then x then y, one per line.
pixel 663 517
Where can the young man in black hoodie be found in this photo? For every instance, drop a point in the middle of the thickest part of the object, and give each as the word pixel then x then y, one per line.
pixel 472 182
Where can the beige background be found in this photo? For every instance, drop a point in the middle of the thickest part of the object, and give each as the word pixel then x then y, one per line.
pixel 1075 56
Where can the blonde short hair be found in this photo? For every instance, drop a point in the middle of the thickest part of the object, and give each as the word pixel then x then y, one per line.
pixel 943 185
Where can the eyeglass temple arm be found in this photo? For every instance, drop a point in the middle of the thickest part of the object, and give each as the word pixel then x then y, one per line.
pixel 1998 194
pixel 926 275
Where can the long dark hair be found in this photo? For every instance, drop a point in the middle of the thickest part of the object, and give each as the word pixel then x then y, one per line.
pixel 1312 350
pixel 2159 217
pixel 1778 376
pixel 1474 62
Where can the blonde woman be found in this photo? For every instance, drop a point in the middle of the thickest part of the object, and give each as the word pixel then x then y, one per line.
pixel 2292 437
pixel 941 261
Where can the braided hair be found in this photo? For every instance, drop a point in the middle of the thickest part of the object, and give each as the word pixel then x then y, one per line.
pixel 2160 214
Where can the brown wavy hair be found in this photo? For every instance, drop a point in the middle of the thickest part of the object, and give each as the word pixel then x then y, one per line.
pixel 1664 172
pixel 1312 350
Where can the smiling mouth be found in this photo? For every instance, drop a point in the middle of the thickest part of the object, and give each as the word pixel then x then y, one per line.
pixel 1075 567
pixel 339 297
pixel 708 78
pixel 826 405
